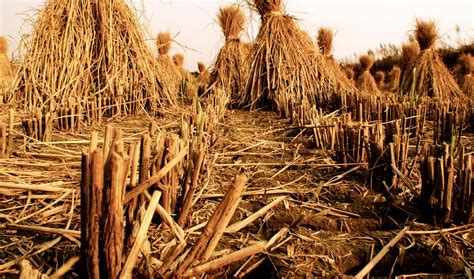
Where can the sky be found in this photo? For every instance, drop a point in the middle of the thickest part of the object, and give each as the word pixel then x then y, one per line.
pixel 359 25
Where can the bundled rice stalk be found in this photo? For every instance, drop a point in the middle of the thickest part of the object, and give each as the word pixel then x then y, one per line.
pixel 394 79
pixel 286 68
pixel 203 78
pixel 410 53
pixel 380 80
pixel 188 88
pixel 349 72
pixel 466 71
pixel 85 49
pixel 166 68
pixel 430 77
pixel 6 68
pixel 339 78
pixel 365 81
pixel 230 71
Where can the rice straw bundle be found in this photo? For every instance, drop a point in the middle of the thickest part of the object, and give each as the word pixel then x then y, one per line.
pixel 6 68
pixel 349 72
pixel 430 77
pixel 365 81
pixel 380 80
pixel 333 70
pixel 84 49
pixel 188 85
pixel 230 71
pixel 167 71
pixel 178 60
pixel 410 52
pixel 466 74
pixel 203 76
pixel 286 68
pixel 394 79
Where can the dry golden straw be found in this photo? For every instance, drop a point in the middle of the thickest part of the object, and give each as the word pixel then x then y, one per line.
pixel 394 79
pixel 230 71
pixel 98 49
pixel 380 79
pixel 466 70
pixel 339 78
pixel 6 68
pixel 166 69
pixel 366 81
pixel 286 67
pixel 429 76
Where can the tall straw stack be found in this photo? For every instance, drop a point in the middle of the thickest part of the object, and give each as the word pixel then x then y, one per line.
pixel 380 80
pixel 97 50
pixel 349 72
pixel 166 68
pixel 188 87
pixel 466 74
pixel 6 69
pixel 394 79
pixel 286 67
pixel 231 68
pixel 365 81
pixel 410 53
pixel 430 77
pixel 338 77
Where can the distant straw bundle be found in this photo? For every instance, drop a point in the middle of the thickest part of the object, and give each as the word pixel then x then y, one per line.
pixel 203 76
pixel 163 43
pixel 380 80
pixel 178 60
pixel 6 68
pixel 410 52
pixel 430 77
pixel 188 86
pixel 426 34
pixel 230 70
pixel 286 68
pixel 97 50
pixel 365 81
pixel 466 74
pixel 3 45
pixel 333 70
pixel 166 68
pixel 394 79
pixel 325 38
pixel 349 71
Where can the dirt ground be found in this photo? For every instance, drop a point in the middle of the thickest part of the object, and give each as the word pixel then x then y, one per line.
pixel 336 222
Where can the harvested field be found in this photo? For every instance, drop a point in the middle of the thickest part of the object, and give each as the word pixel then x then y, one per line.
pixel 276 162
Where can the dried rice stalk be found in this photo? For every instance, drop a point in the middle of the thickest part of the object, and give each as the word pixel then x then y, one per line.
pixel 188 86
pixel 204 76
pixel 166 69
pixel 394 79
pixel 98 49
pixel 339 78
pixel 380 79
pixel 366 81
pixel 466 77
pixel 325 38
pixel 6 68
pixel 426 34
pixel 430 77
pixel 286 68
pixel 230 70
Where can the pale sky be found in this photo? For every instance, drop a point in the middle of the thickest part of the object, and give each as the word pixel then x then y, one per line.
pixel 359 25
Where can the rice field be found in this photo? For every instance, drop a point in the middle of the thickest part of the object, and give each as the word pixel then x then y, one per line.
pixel 274 161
